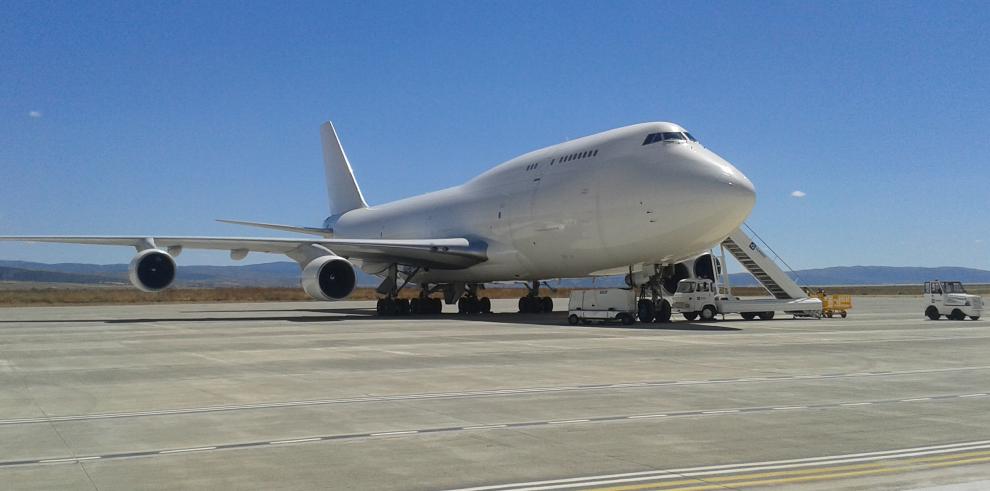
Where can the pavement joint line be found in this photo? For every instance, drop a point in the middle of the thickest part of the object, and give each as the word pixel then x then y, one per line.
pixel 298 440
pixel 351 436
pixel 568 421
pixel 850 404
pixel 917 399
pixel 465 394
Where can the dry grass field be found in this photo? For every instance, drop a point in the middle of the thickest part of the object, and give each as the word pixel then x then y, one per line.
pixel 11 295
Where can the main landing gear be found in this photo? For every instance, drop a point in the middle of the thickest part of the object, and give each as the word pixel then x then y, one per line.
pixel 391 304
pixel 533 303
pixel 652 307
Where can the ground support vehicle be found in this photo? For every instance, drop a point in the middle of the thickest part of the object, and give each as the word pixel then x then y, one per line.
pixel 698 298
pixel 950 299
pixel 833 305
pixel 605 305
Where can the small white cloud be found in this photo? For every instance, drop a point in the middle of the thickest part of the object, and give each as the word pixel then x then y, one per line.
pixel 34 114
pixel 798 194
pixel 978 241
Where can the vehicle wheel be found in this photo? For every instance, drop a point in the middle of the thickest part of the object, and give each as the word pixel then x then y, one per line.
pixel 486 305
pixel 974 317
pixel 573 319
pixel 843 314
pixel 546 305
pixel 932 313
pixel 748 316
pixel 957 315
pixel 828 315
pixel 690 316
pixel 766 315
pixel 646 310
pixel 626 319
pixel 708 313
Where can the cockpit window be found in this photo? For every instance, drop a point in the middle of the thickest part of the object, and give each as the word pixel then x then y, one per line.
pixel 668 136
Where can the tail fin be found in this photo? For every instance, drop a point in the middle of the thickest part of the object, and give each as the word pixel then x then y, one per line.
pixel 342 188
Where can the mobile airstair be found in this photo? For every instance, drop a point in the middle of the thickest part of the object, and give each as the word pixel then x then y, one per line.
pixel 761 266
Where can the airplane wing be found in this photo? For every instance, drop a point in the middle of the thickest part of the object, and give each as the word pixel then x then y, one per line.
pixel 451 253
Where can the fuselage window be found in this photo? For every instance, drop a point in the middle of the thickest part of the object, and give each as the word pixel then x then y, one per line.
pixel 595 153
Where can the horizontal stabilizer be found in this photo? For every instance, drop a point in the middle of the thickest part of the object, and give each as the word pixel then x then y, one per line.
pixel 326 232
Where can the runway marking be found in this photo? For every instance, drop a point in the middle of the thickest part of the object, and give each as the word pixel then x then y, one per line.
pixel 917 399
pixel 471 394
pixel 850 404
pixel 793 470
pixel 707 413
pixel 973 395
pixel 181 450
pixel 298 440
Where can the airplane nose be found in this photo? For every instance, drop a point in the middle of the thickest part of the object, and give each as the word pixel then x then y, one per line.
pixel 731 190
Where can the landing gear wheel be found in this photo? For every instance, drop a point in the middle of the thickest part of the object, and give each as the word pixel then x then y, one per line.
pixel 663 311
pixel 486 305
pixel 748 315
pixel 769 315
pixel 572 319
pixel 402 306
pixel 546 305
pixel 524 305
pixel 957 315
pixel 646 310
pixel 932 313
pixel 691 316
pixel 415 306
pixel 436 306
pixel 708 313
pixel 380 307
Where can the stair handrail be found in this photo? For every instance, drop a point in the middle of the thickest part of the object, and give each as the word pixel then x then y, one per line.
pixel 797 277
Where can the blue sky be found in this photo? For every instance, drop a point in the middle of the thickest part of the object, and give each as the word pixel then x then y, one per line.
pixel 136 117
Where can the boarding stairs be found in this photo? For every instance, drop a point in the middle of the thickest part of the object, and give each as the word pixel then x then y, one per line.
pixel 761 266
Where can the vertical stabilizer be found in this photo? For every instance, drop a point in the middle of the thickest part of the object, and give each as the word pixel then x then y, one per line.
pixel 342 188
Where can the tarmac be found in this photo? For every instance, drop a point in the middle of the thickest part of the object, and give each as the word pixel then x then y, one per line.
pixel 328 396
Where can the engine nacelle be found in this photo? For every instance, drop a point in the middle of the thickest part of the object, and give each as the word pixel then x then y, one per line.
pixel 329 278
pixel 152 270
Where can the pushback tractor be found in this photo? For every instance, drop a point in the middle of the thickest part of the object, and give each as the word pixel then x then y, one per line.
pixel 950 299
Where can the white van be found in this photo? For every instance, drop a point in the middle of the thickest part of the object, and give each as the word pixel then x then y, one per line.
pixel 612 304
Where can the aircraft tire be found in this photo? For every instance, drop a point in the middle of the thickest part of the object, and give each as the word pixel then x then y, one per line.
pixel 663 311
pixel 546 305
pixel 486 305
pixel 646 310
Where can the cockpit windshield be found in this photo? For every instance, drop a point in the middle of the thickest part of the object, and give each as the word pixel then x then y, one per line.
pixel 953 287
pixel 669 136
pixel 685 287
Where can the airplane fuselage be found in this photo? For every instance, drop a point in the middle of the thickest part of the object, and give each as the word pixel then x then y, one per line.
pixel 586 206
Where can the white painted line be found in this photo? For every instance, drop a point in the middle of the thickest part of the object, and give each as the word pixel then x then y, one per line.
pixel 197 449
pixel 917 399
pixel 722 411
pixel 72 459
pixel 973 395
pixel 484 427
pixel 641 416
pixel 566 421
pixel 849 404
pixel 300 440
pixel 786 408
pixel 390 433
pixel 731 468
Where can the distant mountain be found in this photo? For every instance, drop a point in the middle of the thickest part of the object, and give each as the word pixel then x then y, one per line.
pixel 286 274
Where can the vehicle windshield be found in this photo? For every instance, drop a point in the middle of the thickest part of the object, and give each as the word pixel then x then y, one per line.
pixel 953 287
pixel 685 287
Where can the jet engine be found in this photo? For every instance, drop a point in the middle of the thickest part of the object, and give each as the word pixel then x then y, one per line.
pixel 152 270
pixel 328 278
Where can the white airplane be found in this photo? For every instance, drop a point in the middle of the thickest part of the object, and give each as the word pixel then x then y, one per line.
pixel 647 200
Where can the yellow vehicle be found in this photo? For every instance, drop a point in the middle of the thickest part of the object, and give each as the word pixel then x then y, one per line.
pixel 834 304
